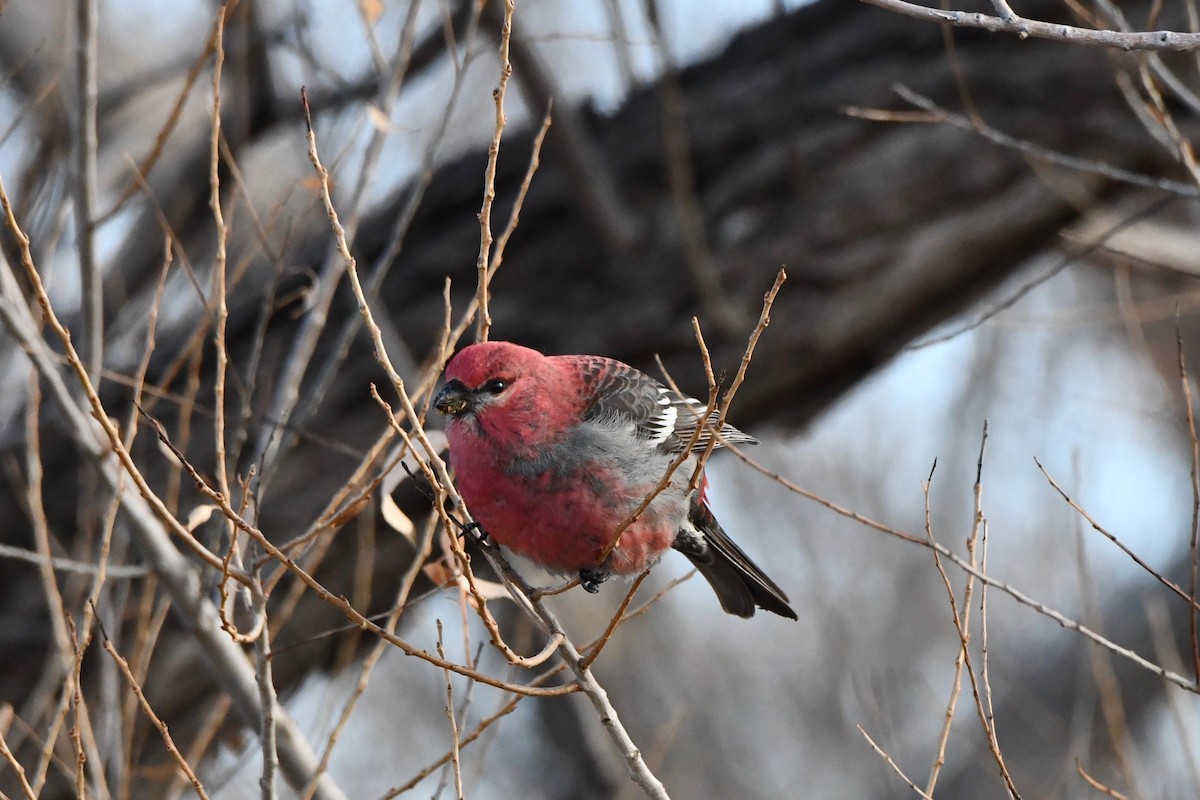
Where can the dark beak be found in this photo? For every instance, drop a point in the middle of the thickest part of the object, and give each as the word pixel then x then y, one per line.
pixel 454 398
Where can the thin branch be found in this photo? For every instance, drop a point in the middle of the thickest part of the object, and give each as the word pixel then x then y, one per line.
pixel 148 514
pixel 593 187
pixel 1037 151
pixel 961 624
pixel 91 276
pixel 154 718
pixel 1165 581
pixel 217 301
pixel 455 744
pixel 121 571
pixel 484 319
pixel 959 658
pixel 1194 543
pixel 681 175
pixel 1025 28
pixel 312 327
pixel 337 601
pixel 895 767
pixel 586 681
pixel 1016 594
pixel 617 619
pixel 268 698
pixel 514 218
pixel 1108 791
pixel 6 715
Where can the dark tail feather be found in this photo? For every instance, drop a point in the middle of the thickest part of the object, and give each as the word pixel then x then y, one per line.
pixel 740 585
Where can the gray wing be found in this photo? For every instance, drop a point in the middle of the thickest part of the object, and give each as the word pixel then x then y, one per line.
pixel 662 419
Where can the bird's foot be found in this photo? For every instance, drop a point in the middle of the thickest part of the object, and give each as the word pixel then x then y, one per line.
pixel 590 579
pixel 478 535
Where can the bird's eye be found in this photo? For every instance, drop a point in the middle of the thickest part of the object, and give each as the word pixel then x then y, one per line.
pixel 495 386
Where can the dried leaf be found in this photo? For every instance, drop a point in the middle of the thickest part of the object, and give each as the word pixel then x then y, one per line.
pixel 396 518
pixel 371 10
pixel 199 515
pixel 490 590
pixel 350 512
pixel 439 573
pixel 379 120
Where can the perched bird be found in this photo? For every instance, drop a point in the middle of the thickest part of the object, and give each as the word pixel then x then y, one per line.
pixel 552 453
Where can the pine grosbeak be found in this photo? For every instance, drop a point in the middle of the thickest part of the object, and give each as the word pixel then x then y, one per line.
pixel 552 453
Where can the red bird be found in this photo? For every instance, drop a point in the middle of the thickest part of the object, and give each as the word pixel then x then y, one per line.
pixel 553 453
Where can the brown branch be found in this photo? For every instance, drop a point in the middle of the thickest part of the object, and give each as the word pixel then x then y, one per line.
pixel 6 715
pixel 154 718
pixel 617 619
pixel 482 263
pixel 455 743
pixel 895 767
pixel 1194 544
pixel 980 691
pixel 1016 594
pixel 340 603
pixel 1096 526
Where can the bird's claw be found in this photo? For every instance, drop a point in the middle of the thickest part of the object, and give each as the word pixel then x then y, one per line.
pixel 478 535
pixel 590 579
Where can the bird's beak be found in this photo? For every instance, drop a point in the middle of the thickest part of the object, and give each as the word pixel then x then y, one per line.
pixel 454 398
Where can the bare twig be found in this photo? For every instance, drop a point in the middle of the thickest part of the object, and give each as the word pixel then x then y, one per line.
pixel 636 765
pixel 1033 150
pixel 304 346
pixel 514 217
pixel 217 301
pixel 1016 594
pixel 118 571
pixel 959 658
pixel 895 767
pixel 1024 28
pixel 337 601
pixel 484 319
pixel 617 619
pixel 594 189
pixel 149 514
pixel 6 715
pixel 689 214
pixel 764 319
pixel 1108 791
pixel 91 277
pixel 455 744
pixel 962 621
pixel 154 718
pixel 1165 581
pixel 1194 543
pixel 268 698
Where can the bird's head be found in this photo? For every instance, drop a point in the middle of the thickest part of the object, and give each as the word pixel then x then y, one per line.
pixel 487 374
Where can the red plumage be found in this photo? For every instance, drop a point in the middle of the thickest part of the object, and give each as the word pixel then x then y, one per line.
pixel 552 453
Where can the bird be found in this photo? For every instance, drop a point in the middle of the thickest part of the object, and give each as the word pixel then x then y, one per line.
pixel 551 454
